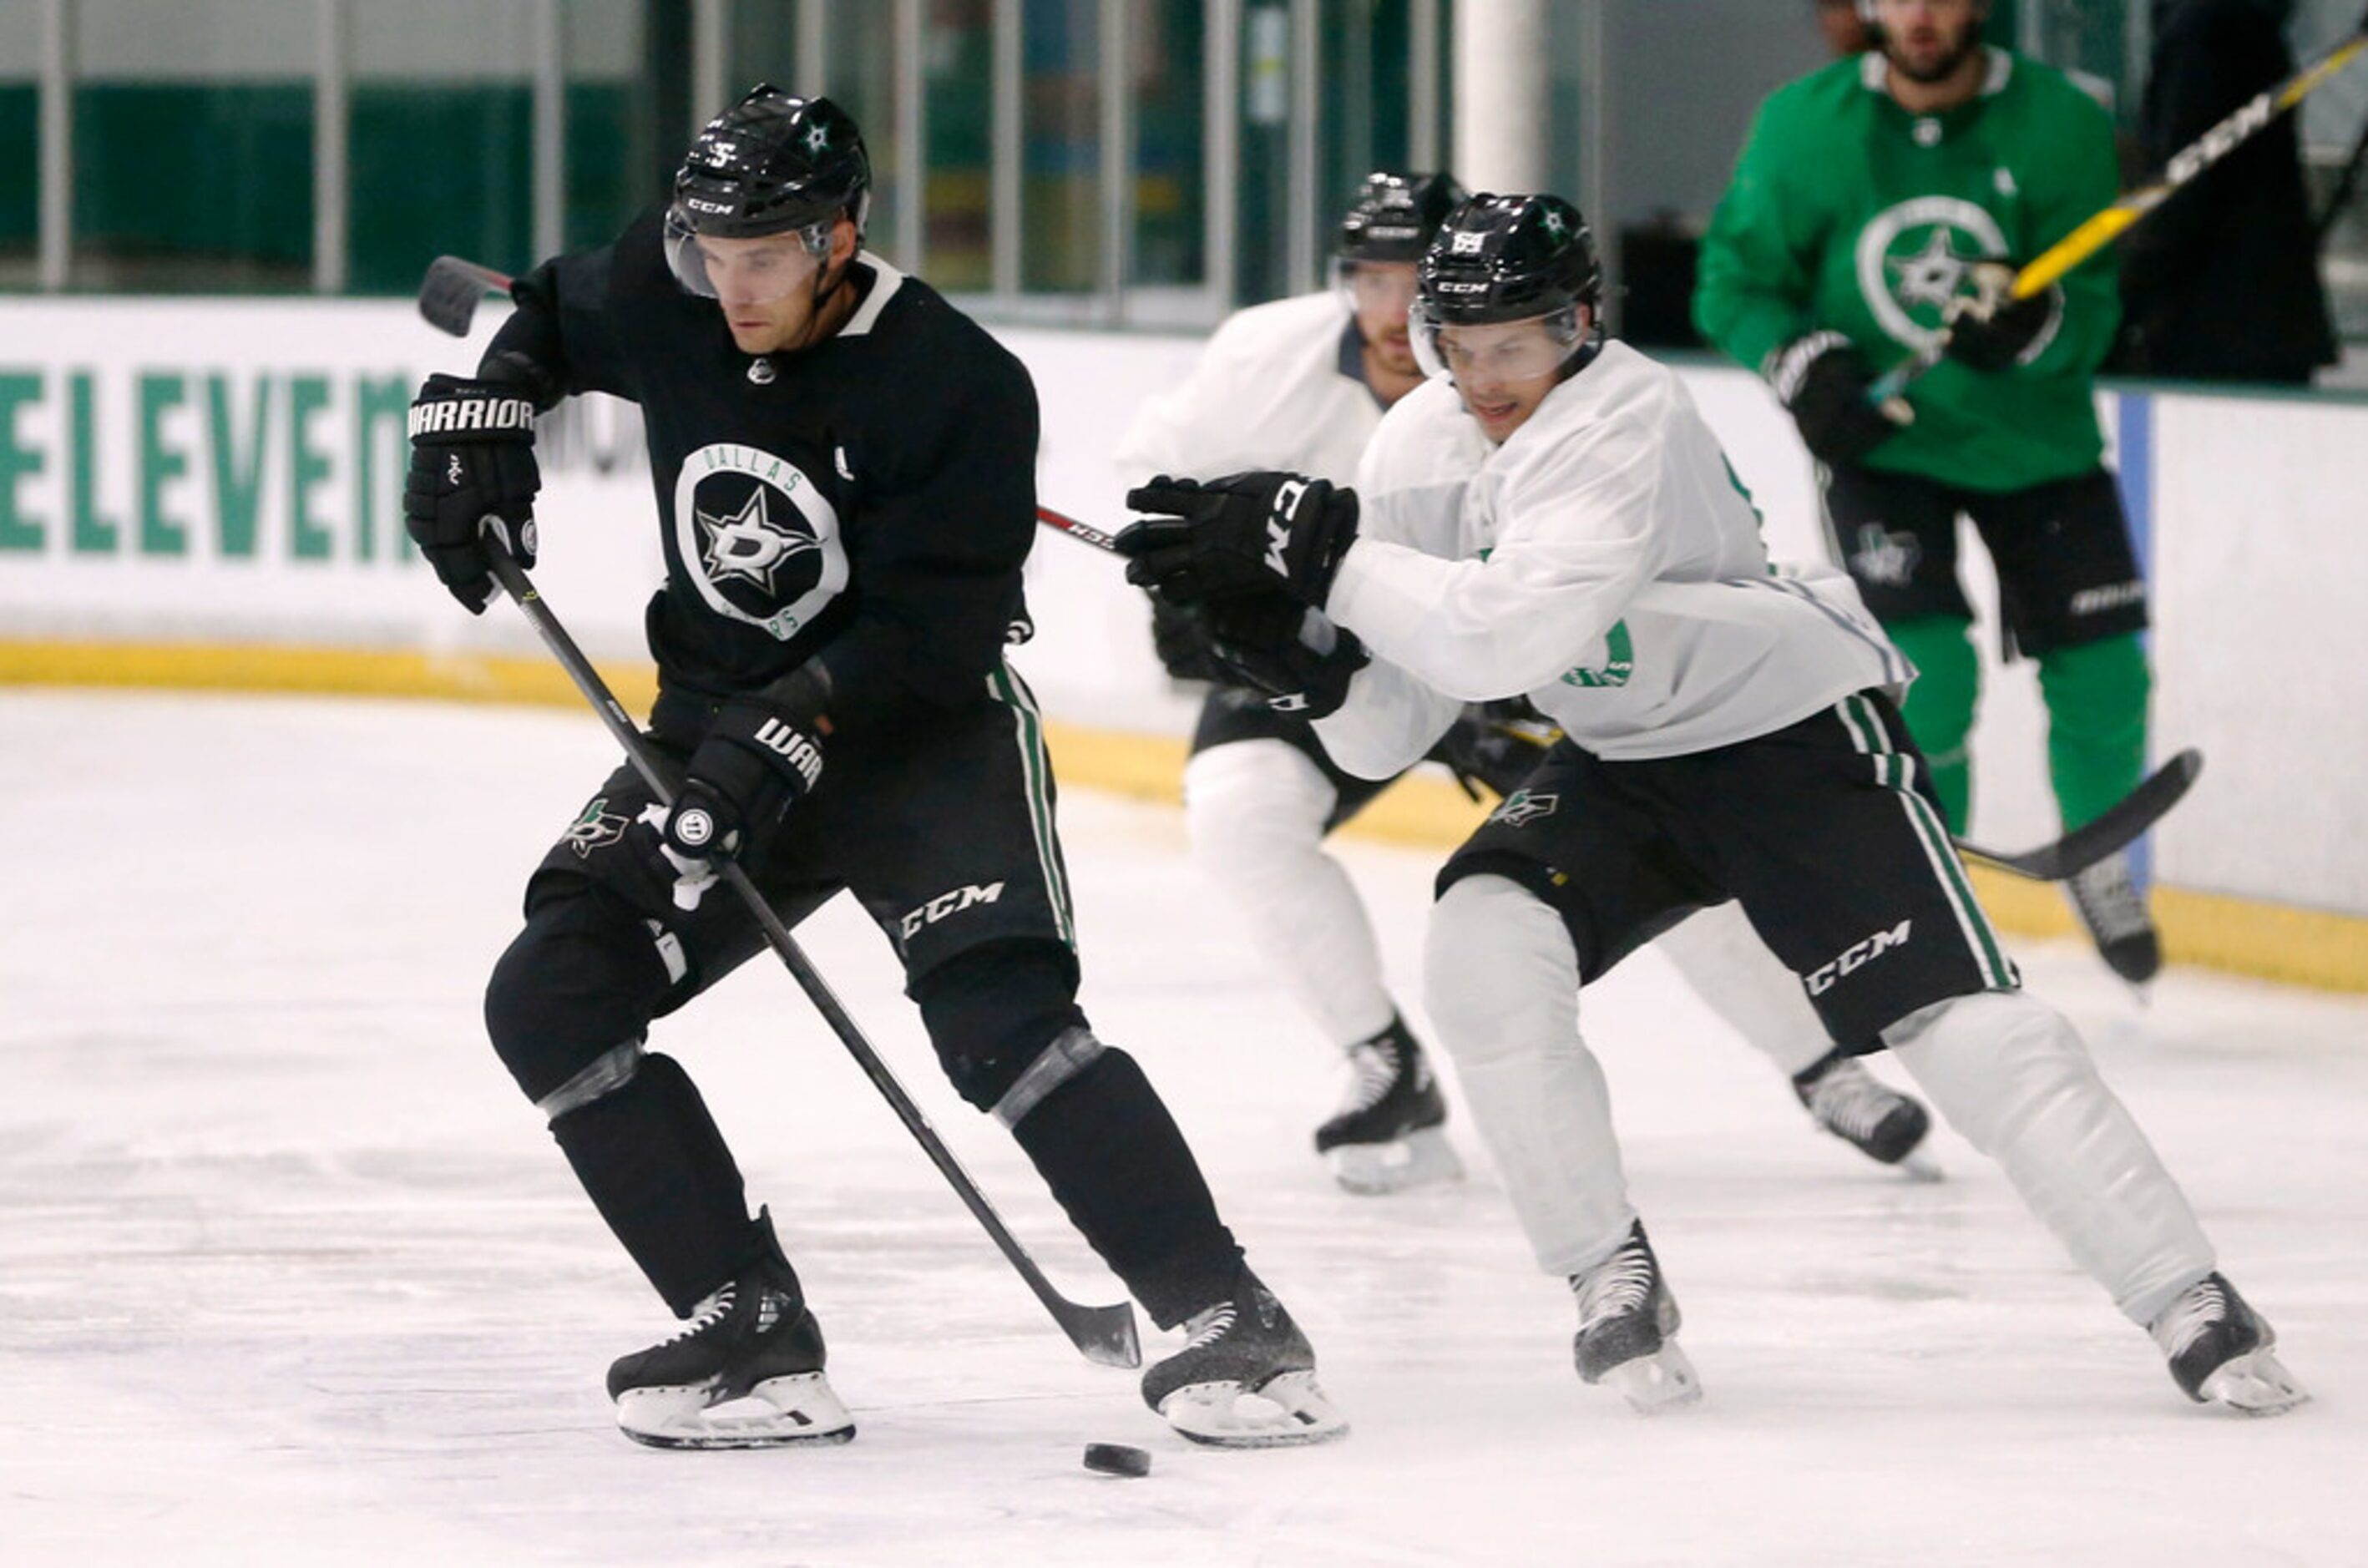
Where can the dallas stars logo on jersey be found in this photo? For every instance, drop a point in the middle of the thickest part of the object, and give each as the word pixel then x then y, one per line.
pixel 1915 258
pixel 757 538
pixel 749 545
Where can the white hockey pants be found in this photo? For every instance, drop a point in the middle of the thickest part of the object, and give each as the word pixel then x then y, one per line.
pixel 1255 812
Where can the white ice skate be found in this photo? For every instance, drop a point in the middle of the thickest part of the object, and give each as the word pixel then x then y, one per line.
pixel 1876 1119
pixel 2115 915
pixel 746 1373
pixel 2222 1352
pixel 1627 1330
pixel 1245 1379
pixel 797 1408
pixel 1386 1135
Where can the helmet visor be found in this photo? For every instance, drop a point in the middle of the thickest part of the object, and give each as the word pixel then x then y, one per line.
pixel 753 271
pixel 1375 288
pixel 1494 354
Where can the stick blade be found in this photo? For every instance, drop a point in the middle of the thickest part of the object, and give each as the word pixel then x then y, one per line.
pixel 1104 1335
pixel 448 294
pixel 2125 822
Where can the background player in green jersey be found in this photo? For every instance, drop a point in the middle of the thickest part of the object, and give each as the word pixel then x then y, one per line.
pixel 1878 202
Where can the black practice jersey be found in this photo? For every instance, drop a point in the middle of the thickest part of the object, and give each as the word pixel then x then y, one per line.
pixel 867 501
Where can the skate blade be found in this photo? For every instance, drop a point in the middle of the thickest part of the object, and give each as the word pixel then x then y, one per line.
pixel 1286 1412
pixel 2255 1383
pixel 777 1413
pixel 1665 1380
pixel 1375 1170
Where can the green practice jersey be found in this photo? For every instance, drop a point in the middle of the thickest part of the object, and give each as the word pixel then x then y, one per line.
pixel 1850 214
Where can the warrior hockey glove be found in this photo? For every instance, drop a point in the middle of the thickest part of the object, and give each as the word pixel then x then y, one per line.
pixel 1821 381
pixel 472 473
pixel 760 755
pixel 1991 330
pixel 1240 534
pixel 1272 643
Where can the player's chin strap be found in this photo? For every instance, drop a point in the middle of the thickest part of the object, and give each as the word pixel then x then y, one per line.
pixel 2056 861
pixel 827 283
pixel 1105 1334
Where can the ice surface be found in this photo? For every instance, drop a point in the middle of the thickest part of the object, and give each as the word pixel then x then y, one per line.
pixel 289 1272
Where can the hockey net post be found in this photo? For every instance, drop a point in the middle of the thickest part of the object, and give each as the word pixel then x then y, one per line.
pixel 1103 1335
pixel 2121 822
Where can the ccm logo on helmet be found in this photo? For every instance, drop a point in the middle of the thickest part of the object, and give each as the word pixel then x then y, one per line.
pixel 1821 979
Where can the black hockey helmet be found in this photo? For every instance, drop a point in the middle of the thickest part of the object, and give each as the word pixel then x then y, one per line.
pixel 1508 258
pixel 770 163
pixel 1394 216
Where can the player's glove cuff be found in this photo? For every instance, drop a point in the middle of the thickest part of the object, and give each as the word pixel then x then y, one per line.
pixel 1273 645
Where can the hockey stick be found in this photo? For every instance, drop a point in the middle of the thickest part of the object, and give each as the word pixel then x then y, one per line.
pixel 2111 223
pixel 450 293
pixel 1103 1335
pixel 2340 197
pixel 2121 822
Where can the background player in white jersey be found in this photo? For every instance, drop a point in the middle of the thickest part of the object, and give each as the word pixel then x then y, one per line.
pixel 1554 518
pixel 1301 384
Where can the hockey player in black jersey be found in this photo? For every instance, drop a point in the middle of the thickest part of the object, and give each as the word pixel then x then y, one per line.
pixel 844 469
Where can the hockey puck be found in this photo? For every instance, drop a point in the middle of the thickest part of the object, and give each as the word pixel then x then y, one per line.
pixel 1117 1459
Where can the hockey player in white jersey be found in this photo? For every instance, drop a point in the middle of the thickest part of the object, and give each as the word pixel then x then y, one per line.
pixel 1301 384
pixel 1552 517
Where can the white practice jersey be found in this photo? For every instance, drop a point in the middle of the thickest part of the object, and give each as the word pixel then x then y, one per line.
pixel 1269 392
pixel 1604 561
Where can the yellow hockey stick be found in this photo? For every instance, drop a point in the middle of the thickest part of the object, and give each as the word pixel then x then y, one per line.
pixel 2111 223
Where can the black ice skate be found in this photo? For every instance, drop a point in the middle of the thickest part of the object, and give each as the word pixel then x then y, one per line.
pixel 1869 1115
pixel 2220 1351
pixel 745 1374
pixel 1386 1137
pixel 2115 914
pixel 1627 1329
pixel 1246 1378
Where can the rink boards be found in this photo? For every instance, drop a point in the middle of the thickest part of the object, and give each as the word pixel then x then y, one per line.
pixel 207 492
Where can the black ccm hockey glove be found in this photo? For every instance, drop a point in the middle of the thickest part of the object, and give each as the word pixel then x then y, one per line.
pixel 472 472
pixel 1181 641
pixel 1822 379
pixel 759 758
pixel 1242 534
pixel 1990 330
pixel 1272 643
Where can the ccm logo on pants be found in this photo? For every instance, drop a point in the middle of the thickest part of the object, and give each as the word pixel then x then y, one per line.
pixel 1821 979
pixel 947 904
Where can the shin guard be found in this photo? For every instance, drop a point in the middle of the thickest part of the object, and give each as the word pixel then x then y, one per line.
pixel 656 1168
